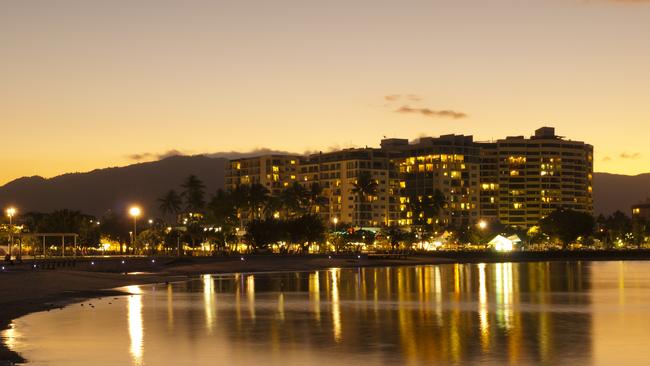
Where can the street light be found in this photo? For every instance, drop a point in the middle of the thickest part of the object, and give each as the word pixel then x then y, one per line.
pixel 482 224
pixel 335 221
pixel 11 211
pixel 134 211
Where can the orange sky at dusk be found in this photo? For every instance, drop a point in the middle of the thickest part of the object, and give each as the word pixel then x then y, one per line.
pixel 87 84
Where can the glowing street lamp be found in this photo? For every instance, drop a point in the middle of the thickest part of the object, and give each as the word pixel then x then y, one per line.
pixel 11 212
pixel 482 224
pixel 335 221
pixel 134 211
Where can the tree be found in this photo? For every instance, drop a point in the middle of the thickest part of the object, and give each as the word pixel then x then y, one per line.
pixel 293 199
pixel 305 230
pixel 315 197
pixel 567 225
pixel 258 197
pixel 364 188
pixel 170 204
pixel 240 199
pixel 426 207
pixel 262 233
pixel 194 194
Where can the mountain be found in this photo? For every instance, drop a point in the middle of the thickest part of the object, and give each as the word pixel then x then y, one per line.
pixel 618 192
pixel 100 190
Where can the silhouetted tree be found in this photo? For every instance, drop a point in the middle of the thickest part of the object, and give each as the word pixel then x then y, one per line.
pixel 364 188
pixel 170 204
pixel 567 225
pixel 194 194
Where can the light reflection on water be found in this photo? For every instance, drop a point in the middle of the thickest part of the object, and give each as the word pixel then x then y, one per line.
pixel 529 313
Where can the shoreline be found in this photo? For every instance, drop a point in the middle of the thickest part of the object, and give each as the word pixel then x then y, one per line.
pixel 24 291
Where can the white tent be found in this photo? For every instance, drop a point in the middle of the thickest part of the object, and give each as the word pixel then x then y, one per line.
pixel 502 244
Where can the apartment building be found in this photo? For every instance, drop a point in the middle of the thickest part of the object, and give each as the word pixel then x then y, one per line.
pixel 535 176
pixel 275 172
pixel 338 173
pixel 515 180
pixel 450 164
pixel 642 210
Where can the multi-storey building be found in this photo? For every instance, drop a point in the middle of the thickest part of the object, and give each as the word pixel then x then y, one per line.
pixel 338 172
pixel 449 164
pixel 537 176
pixel 275 172
pixel 642 210
pixel 515 180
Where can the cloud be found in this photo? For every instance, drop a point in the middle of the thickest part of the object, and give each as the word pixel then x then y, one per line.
pixel 431 112
pixel 396 97
pixel 630 156
pixel 155 156
pixel 392 97
pixel 246 154
pixel 607 158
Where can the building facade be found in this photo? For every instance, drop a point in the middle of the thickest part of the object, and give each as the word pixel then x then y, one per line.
pixel 642 210
pixel 535 176
pixel 515 180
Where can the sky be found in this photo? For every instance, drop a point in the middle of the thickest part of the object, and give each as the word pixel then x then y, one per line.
pixel 88 84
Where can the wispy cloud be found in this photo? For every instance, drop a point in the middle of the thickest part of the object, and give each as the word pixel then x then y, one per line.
pixel 427 112
pixel 155 156
pixel 631 156
pixel 396 97
pixel 245 154
pixel 607 158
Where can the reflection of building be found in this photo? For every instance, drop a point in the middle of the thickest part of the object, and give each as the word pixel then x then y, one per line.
pixel 514 180
pixel 642 210
pixel 447 314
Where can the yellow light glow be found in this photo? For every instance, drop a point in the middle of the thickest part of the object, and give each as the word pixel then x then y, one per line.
pixel 135 211
pixel 11 211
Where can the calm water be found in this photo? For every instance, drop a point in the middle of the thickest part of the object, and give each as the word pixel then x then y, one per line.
pixel 529 313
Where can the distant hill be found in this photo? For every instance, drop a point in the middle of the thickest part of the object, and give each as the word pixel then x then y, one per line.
pixel 618 192
pixel 100 190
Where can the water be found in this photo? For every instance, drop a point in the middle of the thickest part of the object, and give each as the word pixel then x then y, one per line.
pixel 524 314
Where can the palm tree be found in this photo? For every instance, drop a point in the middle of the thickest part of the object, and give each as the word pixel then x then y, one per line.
pixel 293 199
pixel 257 199
pixel 364 187
pixel 315 197
pixel 194 193
pixel 425 207
pixel 240 198
pixel 170 204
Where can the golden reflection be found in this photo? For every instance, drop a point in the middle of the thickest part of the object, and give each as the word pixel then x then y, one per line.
pixel 504 294
pixel 10 336
pixel 314 293
pixel 250 295
pixel 136 328
pixel 208 301
pixel 170 307
pixel 336 307
pixel 281 306
pixel 483 308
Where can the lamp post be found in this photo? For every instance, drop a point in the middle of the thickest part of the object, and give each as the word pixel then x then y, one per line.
pixel 11 211
pixel 335 221
pixel 134 211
